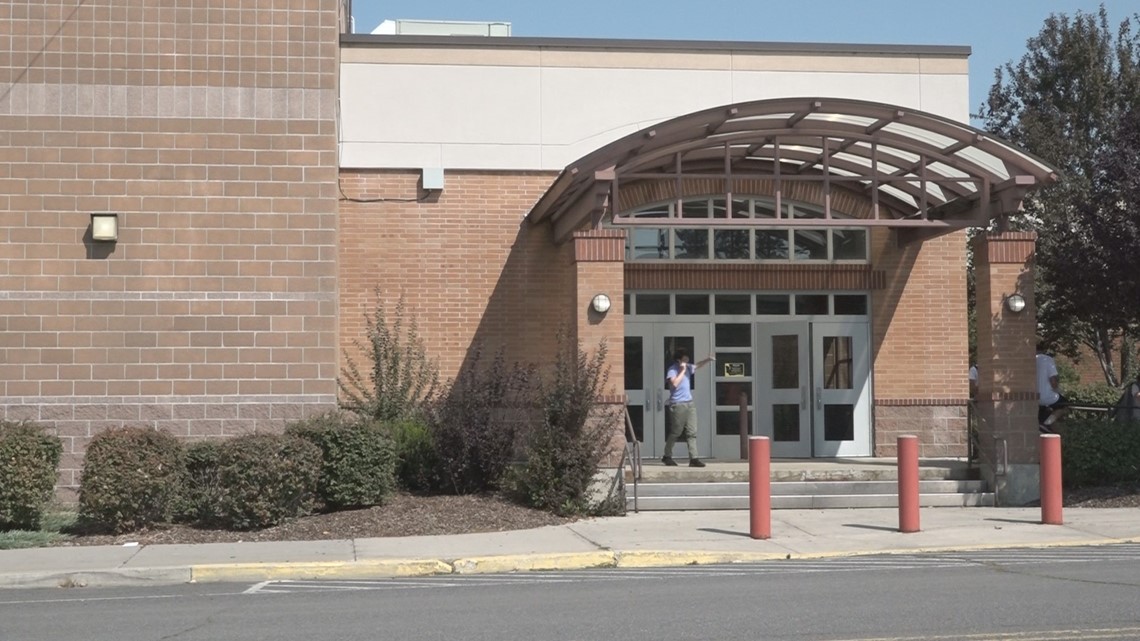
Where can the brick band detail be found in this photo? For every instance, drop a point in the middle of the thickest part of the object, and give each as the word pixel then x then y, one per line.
pixel 916 402
pixel 1007 248
pixel 599 245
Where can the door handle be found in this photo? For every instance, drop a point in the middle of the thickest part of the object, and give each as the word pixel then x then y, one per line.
pixel 660 400
pixel 647 403
pixel 819 398
pixel 803 398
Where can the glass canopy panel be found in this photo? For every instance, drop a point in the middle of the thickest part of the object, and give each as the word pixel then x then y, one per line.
pixel 859 121
pixel 897 154
pixel 900 194
pixel 923 136
pixel 986 160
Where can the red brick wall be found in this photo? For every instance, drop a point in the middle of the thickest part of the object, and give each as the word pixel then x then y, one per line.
pixel 470 267
pixel 211 130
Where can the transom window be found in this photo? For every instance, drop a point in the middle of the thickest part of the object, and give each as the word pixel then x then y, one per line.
pixel 697 303
pixel 727 243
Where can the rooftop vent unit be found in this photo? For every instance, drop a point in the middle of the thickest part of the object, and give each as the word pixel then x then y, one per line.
pixel 442 28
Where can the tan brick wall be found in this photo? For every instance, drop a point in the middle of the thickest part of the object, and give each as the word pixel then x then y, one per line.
pixel 211 130
pixel 471 269
pixel 1007 367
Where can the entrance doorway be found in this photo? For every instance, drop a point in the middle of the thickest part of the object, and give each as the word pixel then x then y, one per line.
pixel 808 385
pixel 813 388
pixel 649 349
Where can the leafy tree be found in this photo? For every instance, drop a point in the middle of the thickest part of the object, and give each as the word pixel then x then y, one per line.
pixel 1072 100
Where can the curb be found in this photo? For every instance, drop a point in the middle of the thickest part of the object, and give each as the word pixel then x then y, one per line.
pixel 392 568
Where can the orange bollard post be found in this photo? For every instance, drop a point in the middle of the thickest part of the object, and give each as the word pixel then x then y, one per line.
pixel 1051 499
pixel 760 487
pixel 908 483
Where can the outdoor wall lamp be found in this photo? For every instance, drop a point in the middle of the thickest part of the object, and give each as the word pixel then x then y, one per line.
pixel 1015 303
pixel 601 303
pixel 105 227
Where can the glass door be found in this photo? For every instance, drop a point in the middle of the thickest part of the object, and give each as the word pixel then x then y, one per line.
pixel 783 405
pixel 694 339
pixel 649 349
pixel 841 389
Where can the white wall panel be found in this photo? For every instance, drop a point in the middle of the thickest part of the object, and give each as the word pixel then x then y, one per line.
pixel 527 116
pixel 446 103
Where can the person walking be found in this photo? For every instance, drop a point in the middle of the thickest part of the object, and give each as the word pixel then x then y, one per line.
pixel 1051 404
pixel 682 415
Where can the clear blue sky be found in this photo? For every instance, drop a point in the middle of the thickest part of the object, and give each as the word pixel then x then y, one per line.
pixel 996 30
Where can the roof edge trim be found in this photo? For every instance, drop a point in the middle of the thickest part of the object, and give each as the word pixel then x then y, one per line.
pixel 515 42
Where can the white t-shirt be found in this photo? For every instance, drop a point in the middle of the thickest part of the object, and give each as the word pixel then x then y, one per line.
pixel 1046 369
pixel 973 373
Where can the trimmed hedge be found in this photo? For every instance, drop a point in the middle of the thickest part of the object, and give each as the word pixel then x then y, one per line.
pixel 201 487
pixel 417 460
pixel 29 458
pixel 264 479
pixel 358 459
pixel 1096 451
pixel 131 479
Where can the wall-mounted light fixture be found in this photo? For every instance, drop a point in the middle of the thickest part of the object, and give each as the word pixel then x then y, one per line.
pixel 105 227
pixel 601 303
pixel 1015 303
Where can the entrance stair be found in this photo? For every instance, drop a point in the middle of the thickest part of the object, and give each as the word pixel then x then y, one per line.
pixel 805 484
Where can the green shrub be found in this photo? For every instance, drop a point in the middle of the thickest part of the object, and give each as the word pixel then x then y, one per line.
pixel 131 479
pixel 264 479
pixel 564 451
pixel 201 485
pixel 417 461
pixel 358 459
pixel 1095 394
pixel 401 380
pixel 476 425
pixel 29 457
pixel 1099 451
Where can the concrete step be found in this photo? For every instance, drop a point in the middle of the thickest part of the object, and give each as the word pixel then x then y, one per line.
pixel 807 488
pixel 805 502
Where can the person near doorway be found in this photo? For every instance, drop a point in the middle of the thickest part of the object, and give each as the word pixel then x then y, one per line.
pixel 682 415
pixel 973 376
pixel 1051 404
pixel 1128 407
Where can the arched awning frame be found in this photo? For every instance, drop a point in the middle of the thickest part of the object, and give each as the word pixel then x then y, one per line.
pixel 925 175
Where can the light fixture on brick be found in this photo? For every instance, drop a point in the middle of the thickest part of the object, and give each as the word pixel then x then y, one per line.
pixel 105 227
pixel 601 303
pixel 1015 303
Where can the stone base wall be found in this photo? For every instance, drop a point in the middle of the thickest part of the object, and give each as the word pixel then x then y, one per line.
pixel 942 430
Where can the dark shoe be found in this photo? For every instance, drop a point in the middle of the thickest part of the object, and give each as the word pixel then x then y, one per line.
pixel 668 460
pixel 696 463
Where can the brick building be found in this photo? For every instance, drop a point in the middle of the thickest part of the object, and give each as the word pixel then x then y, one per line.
pixel 797 211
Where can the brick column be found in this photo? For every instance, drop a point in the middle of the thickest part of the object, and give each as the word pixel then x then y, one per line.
pixel 1007 378
pixel 599 268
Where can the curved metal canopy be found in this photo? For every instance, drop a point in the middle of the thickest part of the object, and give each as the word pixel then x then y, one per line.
pixel 921 172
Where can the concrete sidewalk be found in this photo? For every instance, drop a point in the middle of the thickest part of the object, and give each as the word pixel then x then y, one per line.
pixel 637 540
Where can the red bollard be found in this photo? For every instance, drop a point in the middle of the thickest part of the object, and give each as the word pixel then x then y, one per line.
pixel 760 487
pixel 1051 479
pixel 908 483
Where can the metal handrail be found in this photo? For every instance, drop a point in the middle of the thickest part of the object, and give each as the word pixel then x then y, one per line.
pixel 632 450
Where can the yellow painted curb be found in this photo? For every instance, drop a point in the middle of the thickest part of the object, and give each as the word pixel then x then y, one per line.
pixel 672 558
pixel 373 568
pixel 530 562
